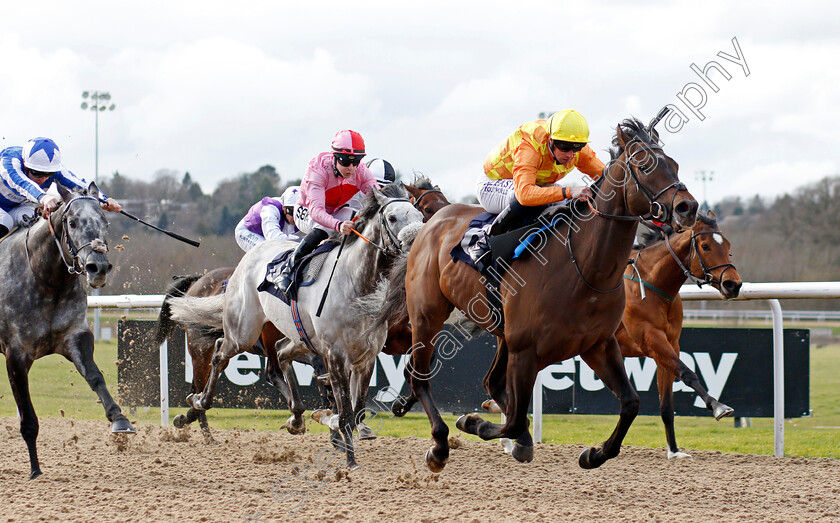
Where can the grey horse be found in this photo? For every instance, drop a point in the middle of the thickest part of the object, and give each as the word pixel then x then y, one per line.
pixel 43 304
pixel 389 221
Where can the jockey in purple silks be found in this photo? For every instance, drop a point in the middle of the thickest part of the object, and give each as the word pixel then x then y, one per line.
pixel 269 219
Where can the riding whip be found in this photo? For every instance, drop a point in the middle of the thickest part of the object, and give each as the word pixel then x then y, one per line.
pixel 164 231
pixel 337 256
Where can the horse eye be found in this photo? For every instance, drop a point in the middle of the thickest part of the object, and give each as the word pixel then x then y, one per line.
pixel 706 247
pixel 428 210
pixel 392 218
pixel 73 224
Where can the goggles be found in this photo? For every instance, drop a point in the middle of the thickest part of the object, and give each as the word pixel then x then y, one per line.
pixel 347 160
pixel 566 147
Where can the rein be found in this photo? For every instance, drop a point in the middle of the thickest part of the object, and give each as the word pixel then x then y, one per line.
pixel 394 240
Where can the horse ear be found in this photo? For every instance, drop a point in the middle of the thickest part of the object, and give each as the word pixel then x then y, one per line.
pixel 381 198
pixel 622 141
pixel 437 187
pixel 711 214
pixel 64 192
pixel 93 190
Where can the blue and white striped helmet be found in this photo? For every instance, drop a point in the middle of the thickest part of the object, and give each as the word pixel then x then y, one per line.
pixel 42 154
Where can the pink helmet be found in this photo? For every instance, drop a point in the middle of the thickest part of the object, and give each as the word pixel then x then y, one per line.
pixel 348 142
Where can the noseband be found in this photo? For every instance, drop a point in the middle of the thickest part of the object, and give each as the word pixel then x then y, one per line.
pixel 708 278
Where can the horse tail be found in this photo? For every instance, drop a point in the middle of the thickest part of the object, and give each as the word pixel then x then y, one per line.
pixel 165 324
pixel 200 313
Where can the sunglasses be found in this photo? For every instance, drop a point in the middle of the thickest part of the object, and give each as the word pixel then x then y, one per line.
pixel 566 147
pixel 289 210
pixel 39 174
pixel 347 161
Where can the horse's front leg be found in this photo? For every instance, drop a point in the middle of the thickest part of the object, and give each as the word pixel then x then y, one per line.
pixel 80 351
pixel 17 368
pixel 607 363
pixel 359 385
pixel 340 378
pixel 280 373
pixel 517 372
pixel 689 377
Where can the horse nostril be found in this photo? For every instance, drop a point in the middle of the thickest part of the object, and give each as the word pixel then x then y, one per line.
pixel 685 208
pixel 108 270
pixel 732 286
pixel 91 268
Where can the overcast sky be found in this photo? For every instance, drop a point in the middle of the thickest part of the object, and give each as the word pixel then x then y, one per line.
pixel 220 88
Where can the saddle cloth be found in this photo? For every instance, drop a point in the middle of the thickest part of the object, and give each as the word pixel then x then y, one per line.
pixel 303 275
pixel 476 243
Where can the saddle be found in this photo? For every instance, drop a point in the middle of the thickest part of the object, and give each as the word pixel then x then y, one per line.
pixel 491 256
pixel 303 274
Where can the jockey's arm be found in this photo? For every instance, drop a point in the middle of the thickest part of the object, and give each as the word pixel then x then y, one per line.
pixel 525 162
pixel 272 228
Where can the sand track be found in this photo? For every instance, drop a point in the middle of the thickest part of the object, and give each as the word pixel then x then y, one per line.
pixel 167 475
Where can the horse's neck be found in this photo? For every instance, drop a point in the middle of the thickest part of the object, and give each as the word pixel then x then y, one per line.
pixel 44 257
pixel 366 262
pixel 659 268
pixel 603 257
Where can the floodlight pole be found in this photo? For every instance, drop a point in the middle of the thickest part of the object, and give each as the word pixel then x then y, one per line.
pixel 98 103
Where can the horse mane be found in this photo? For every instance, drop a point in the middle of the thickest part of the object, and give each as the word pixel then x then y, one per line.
pixel 372 206
pixel 636 130
pixel 422 182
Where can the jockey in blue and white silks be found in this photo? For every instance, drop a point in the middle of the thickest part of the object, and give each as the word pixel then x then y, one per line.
pixel 26 173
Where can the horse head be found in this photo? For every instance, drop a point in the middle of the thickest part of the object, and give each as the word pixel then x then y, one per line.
pixel 710 257
pixel 648 177
pixel 390 219
pixel 427 198
pixel 79 228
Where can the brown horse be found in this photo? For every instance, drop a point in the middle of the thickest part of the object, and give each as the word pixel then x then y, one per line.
pixel 564 299
pixel 651 327
pixel 200 345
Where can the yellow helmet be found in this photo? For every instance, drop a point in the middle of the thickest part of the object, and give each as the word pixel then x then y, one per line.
pixel 568 126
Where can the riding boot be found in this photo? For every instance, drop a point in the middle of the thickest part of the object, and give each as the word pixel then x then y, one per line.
pixel 515 215
pixel 305 247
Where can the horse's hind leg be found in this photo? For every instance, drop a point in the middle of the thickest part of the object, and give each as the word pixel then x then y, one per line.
pixel 17 367
pixel 225 350
pixel 80 352
pixel 607 363
pixel 200 356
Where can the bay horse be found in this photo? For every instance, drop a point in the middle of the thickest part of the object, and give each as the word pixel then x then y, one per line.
pixel 43 304
pixel 427 198
pixel 564 299
pixel 389 223
pixel 651 327
pixel 200 345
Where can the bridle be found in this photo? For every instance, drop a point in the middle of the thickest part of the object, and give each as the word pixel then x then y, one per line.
pixel 658 211
pixel 423 194
pixel 708 278
pixel 393 248
pixel 70 255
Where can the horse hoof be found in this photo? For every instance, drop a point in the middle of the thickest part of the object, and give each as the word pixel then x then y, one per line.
pixel 677 455
pixel 194 401
pixel 319 414
pixel 434 465
pixel 586 459
pixel 398 407
pixel 337 441
pixel 35 473
pixel 467 423
pixel 721 411
pixel 179 421
pixel 491 406
pixel 122 426
pixel 366 432
pixel 522 454
pixel 293 430
pixel 354 466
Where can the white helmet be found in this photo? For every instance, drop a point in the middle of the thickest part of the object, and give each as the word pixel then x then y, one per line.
pixel 382 170
pixel 290 196
pixel 42 154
